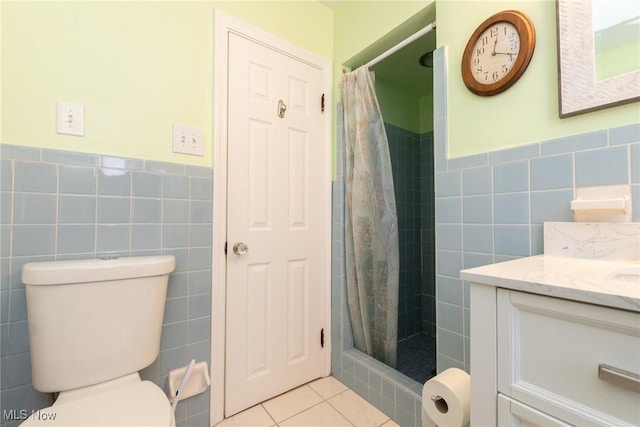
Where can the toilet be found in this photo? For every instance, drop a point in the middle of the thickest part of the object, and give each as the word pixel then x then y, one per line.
pixel 93 324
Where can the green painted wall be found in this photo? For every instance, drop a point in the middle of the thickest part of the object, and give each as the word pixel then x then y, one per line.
pixel 526 113
pixel 398 106
pixel 365 29
pixel 137 67
pixel 425 105
pixel 403 108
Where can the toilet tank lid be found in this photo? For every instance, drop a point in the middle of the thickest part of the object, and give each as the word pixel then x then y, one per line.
pixel 95 270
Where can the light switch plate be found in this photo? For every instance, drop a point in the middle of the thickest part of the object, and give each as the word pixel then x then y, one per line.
pixel 188 140
pixel 69 118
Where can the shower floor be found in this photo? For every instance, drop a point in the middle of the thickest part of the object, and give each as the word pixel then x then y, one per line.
pixel 417 357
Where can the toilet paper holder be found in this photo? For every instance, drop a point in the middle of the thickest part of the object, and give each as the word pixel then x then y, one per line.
pixel 198 382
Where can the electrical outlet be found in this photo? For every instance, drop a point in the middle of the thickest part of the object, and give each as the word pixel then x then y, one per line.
pixel 188 140
pixel 69 118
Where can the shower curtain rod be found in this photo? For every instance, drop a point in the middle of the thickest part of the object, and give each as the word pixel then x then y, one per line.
pixel 400 45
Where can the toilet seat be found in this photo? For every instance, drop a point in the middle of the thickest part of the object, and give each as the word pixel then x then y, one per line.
pixel 126 401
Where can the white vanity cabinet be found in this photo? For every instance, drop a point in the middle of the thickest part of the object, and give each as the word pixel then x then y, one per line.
pixel 542 360
pixel 569 359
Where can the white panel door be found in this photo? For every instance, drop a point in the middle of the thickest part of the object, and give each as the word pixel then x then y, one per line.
pixel 275 173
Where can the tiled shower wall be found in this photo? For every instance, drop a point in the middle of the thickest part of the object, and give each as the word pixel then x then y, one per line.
pixel 412 163
pixel 490 207
pixel 428 246
pixel 404 150
pixel 58 205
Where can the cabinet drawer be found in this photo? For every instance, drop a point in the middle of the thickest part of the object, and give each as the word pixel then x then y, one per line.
pixel 550 351
pixel 512 413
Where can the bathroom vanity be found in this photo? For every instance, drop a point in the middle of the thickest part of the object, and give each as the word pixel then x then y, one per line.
pixel 555 341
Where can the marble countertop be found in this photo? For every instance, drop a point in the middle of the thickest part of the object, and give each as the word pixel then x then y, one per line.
pixel 584 280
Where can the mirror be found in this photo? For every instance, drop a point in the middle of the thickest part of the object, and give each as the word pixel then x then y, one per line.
pixel 616 31
pixel 598 54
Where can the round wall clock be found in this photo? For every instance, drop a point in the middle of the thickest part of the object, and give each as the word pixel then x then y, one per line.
pixel 498 53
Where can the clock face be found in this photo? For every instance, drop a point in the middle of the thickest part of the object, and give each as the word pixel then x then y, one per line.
pixel 495 53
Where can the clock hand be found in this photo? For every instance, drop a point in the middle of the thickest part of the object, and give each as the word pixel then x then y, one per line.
pixel 494 47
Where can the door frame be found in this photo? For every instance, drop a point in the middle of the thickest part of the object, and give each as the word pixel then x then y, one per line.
pixel 225 24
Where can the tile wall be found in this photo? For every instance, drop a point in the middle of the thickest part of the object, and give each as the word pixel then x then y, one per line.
pixel 428 235
pixel 490 207
pixel 404 150
pixel 412 164
pixel 58 205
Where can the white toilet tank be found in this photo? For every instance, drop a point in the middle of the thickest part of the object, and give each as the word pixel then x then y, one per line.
pixel 95 320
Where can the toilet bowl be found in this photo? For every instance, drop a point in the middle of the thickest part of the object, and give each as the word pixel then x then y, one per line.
pixel 93 325
pixel 126 401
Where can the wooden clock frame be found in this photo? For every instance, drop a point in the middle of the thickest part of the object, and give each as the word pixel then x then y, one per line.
pixel 527 33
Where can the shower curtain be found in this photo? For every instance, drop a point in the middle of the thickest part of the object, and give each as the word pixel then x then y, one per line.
pixel 371 223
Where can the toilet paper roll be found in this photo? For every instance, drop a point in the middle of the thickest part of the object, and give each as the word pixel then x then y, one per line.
pixel 446 398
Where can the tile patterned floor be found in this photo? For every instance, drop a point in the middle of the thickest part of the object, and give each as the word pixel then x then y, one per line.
pixel 324 402
pixel 417 357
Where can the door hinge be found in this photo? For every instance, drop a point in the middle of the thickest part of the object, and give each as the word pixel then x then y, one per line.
pixel 322 103
pixel 322 337
pixel 225 248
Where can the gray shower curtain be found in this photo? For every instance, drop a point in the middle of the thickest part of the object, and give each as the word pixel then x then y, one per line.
pixel 371 223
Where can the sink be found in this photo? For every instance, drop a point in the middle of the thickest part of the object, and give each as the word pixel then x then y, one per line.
pixel 629 275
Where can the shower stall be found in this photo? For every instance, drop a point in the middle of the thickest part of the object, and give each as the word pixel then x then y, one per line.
pixel 404 87
pixel 408 93
pixel 404 91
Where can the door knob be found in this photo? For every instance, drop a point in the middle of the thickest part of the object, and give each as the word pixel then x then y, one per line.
pixel 240 248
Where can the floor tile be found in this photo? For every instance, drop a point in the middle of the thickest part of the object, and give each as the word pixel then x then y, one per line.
pixel 292 403
pixel 252 417
pixel 416 357
pixel 328 387
pixel 318 416
pixel 357 410
pixel 324 402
